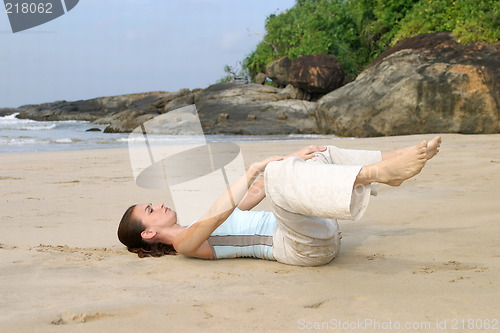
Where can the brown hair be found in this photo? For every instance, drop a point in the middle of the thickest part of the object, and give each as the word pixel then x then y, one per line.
pixel 129 233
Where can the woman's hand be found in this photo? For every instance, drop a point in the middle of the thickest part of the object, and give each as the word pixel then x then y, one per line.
pixel 304 153
pixel 307 152
pixel 261 166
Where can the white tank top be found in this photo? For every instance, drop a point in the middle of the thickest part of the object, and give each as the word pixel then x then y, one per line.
pixel 244 234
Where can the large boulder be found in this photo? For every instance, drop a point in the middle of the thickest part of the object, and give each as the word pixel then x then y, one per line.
pixel 315 74
pixel 426 84
pixel 279 71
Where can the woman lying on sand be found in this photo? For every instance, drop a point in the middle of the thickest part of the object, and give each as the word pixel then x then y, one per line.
pixel 307 190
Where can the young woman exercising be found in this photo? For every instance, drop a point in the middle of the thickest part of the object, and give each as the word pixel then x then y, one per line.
pixel 307 190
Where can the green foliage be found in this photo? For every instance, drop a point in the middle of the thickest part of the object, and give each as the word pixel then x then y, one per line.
pixel 357 31
pixel 388 15
pixel 469 20
pixel 258 60
pixel 310 27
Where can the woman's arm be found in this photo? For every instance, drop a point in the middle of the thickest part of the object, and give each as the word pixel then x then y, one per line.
pixel 255 194
pixel 191 239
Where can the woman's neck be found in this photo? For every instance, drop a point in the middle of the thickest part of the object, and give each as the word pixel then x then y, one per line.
pixel 168 235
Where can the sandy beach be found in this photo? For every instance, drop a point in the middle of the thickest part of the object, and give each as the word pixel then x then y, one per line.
pixel 425 256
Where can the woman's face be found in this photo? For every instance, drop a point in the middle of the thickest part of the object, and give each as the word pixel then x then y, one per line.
pixel 155 217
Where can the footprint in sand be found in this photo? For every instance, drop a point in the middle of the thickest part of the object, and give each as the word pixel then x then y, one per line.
pixel 71 318
pixel 79 254
pixel 315 305
pixel 9 178
pixel 460 278
pixel 449 265
pixel 375 256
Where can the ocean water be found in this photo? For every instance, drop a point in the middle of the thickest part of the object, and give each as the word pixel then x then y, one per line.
pixel 25 136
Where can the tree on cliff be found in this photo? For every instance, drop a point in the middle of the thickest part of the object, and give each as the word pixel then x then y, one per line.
pixel 357 31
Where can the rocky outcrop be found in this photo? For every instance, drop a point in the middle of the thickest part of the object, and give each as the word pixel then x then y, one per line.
pixel 224 108
pixel 254 109
pixel 314 74
pixel 228 108
pixel 7 111
pixel 426 84
pixel 92 109
pixel 132 115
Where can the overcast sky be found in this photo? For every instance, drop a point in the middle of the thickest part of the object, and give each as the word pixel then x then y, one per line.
pixel 114 47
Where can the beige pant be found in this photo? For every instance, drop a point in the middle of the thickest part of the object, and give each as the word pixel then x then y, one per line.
pixel 308 196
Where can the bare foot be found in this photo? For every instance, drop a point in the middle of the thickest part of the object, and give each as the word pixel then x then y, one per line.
pixel 433 147
pixel 405 165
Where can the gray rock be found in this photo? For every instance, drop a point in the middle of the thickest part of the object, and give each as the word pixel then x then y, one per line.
pixel 291 92
pixel 179 102
pixel 125 121
pixel 227 108
pixel 7 111
pixel 99 110
pixel 253 109
pixel 260 78
pixel 279 71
